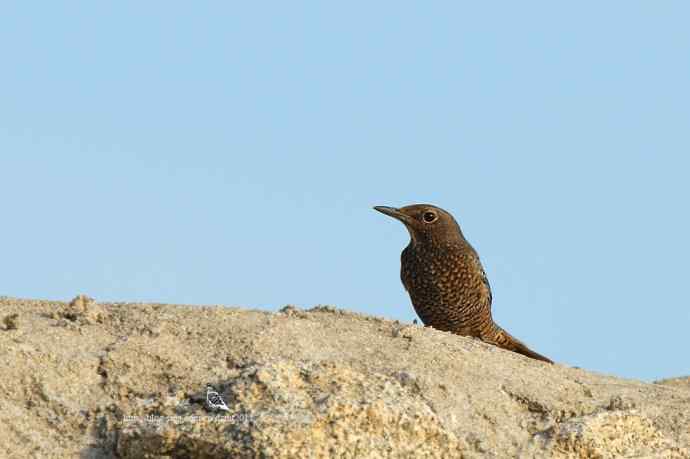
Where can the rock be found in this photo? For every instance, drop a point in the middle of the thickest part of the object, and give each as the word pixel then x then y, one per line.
pixel 11 321
pixel 82 310
pixel 676 382
pixel 128 380
pixel 285 409
pixel 619 434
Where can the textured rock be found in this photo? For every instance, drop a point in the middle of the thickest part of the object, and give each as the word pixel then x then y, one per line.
pixel 128 380
pixel 287 410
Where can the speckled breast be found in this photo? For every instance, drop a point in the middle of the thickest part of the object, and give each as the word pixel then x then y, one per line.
pixel 446 287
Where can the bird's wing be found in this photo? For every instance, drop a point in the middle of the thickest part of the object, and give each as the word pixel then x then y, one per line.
pixel 485 281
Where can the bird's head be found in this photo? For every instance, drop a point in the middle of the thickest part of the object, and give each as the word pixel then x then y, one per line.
pixel 426 223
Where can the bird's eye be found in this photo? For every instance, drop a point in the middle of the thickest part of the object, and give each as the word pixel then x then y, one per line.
pixel 429 217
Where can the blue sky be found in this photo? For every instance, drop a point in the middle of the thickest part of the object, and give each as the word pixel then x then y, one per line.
pixel 230 153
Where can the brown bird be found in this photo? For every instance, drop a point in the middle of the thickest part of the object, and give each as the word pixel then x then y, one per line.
pixel 445 279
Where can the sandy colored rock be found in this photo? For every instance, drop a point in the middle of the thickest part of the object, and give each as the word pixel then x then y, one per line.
pixel 128 380
pixel 11 321
pixel 82 309
pixel 299 410
pixel 683 383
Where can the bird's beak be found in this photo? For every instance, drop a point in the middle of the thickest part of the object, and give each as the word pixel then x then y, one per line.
pixel 392 212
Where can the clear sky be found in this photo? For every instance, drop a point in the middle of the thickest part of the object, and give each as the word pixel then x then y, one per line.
pixel 230 153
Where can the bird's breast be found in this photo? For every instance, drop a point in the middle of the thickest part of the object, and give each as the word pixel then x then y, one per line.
pixel 443 285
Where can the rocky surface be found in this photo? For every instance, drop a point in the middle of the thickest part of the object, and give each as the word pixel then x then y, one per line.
pixel 91 380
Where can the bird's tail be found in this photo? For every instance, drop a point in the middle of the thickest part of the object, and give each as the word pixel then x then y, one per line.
pixel 505 340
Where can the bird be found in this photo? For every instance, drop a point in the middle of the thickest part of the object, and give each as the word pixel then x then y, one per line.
pixel 445 278
pixel 214 399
